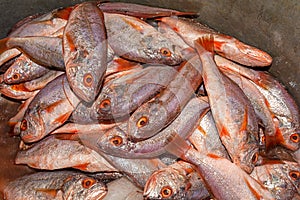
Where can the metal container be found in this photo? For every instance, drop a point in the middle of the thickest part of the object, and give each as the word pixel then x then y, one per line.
pixel 271 25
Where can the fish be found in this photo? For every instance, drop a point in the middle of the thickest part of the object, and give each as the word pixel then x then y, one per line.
pixel 120 97
pixel 123 189
pixel 128 36
pixel 85 50
pixel 180 180
pixel 52 153
pixel 231 109
pixel 206 137
pixel 116 142
pixel 22 70
pixel 140 11
pixel 44 114
pixel 227 46
pixel 281 178
pixel 283 108
pixel 157 113
pixel 55 185
pixel 82 128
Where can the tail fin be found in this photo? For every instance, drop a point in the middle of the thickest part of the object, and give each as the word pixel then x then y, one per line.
pixel 205 43
pixel 177 146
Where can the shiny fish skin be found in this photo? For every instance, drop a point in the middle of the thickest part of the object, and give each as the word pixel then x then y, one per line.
pixel 225 45
pixel 116 142
pixel 160 111
pixel 51 153
pixel 281 178
pixel 125 94
pixel 23 69
pixel 65 185
pixel 232 111
pixel 180 180
pixel 82 128
pixel 44 114
pixel 136 40
pixel 85 50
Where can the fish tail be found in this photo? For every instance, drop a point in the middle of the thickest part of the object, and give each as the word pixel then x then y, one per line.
pixel 205 43
pixel 177 146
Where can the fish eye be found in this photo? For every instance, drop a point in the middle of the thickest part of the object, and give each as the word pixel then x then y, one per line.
pixel 295 137
pixel 16 76
pixel 116 140
pixel 166 191
pixel 142 121
pixel 255 158
pixel 88 80
pixel 87 182
pixel 165 52
pixel 295 175
pixel 23 126
pixel 105 105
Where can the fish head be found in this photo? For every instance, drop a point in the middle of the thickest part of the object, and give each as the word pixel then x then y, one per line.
pixel 147 120
pixel 290 138
pixel 167 183
pixel 161 50
pixel 32 127
pixel 84 187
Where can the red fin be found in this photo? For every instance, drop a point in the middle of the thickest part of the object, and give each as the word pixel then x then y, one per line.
pixel 224 132
pixel 51 107
pixel 205 43
pixel 254 192
pixel 214 156
pixel 218 46
pixel 201 130
pixel 135 26
pixel 123 65
pixel 63 118
pixel 82 167
pixel 71 43
pixel 63 13
pixel 19 87
pixel 3 45
pixel 51 192
pixel 67 136
pixel 267 161
pixel 245 121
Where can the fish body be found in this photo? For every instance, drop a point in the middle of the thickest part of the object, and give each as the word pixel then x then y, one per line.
pixel 55 185
pixel 85 50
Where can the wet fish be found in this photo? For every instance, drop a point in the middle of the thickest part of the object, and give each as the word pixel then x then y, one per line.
pixel 206 137
pixel 55 185
pixel 45 114
pixel 232 111
pixel 22 70
pixel 227 46
pixel 180 180
pixel 284 110
pixel 123 189
pixel 160 111
pixel 122 96
pixel 85 50
pixel 52 153
pixel 281 178
pixel 136 40
pixel 116 142
pixel 141 11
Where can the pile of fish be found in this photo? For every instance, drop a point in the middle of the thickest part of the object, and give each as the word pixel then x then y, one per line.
pixel 125 101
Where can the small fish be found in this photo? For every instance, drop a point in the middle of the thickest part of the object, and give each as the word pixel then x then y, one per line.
pixel 227 46
pixel 52 153
pixel 85 50
pixel 180 180
pixel 232 111
pixel 49 109
pixel 141 11
pixel 116 142
pixel 22 70
pixel 134 39
pixel 122 96
pixel 281 178
pixel 66 185
pixel 123 189
pixel 154 115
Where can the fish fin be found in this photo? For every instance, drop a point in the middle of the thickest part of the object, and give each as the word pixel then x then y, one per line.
pixel 135 26
pixel 63 118
pixel 245 121
pixel 67 136
pixel 224 132
pixel 214 156
pixel 82 167
pixel 205 43
pixel 63 13
pixel 253 190
pixel 177 146
pixel 123 65
pixel 3 45
pixel 51 192
pixel 70 42
pixel 52 106
pixel 267 161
